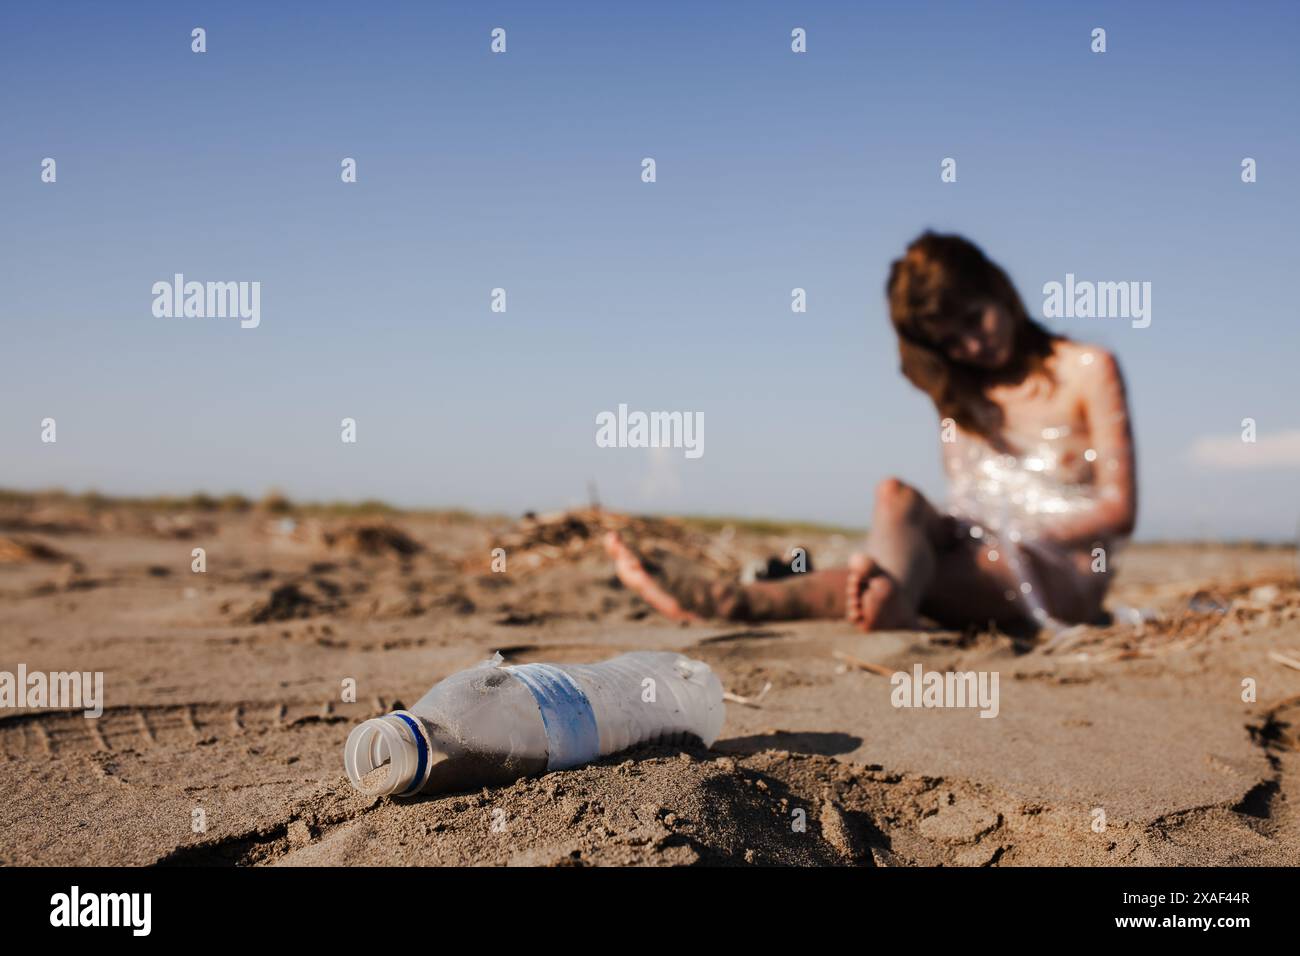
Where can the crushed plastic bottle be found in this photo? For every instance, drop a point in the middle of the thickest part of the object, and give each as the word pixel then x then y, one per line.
pixel 494 723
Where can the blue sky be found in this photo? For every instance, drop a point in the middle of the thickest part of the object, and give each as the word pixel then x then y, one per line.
pixel 522 171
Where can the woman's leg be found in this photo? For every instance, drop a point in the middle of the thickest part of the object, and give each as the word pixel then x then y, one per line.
pixel 811 594
pixel 881 589
pixel 977 583
pixel 679 591
pixel 918 561
pixel 886 584
pixel 971 587
pixel 914 563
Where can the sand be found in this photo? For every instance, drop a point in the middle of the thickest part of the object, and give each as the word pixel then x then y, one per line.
pixel 224 722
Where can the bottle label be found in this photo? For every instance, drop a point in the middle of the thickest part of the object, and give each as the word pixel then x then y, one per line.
pixel 571 734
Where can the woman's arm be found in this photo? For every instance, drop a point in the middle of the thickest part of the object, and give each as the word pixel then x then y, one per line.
pixel 1106 408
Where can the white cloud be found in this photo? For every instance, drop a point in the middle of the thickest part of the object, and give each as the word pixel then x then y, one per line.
pixel 1275 450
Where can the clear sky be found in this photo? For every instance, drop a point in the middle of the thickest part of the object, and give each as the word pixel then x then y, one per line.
pixel 522 170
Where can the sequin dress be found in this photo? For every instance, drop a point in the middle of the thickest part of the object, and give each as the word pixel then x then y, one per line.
pixel 1003 499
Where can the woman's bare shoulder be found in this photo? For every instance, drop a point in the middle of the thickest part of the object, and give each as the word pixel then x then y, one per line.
pixel 1083 362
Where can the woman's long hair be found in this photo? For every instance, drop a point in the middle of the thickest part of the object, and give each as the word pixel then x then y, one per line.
pixel 940 277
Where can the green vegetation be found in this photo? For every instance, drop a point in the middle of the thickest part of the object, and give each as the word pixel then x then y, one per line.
pixel 273 502
pixel 766 526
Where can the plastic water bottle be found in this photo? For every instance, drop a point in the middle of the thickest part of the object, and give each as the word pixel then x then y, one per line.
pixel 495 723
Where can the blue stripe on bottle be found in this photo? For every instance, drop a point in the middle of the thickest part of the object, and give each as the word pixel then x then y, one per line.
pixel 571 734
pixel 422 758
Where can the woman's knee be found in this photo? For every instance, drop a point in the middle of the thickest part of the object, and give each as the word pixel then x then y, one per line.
pixel 898 501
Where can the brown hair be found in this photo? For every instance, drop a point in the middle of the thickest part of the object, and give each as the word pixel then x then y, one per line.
pixel 939 277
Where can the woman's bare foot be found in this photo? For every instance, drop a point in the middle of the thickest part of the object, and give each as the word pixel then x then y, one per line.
pixel 874 601
pixel 675 592
pixel 631 571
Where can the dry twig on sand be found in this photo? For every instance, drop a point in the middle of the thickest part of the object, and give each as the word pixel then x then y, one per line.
pixel 863 665
pixel 1286 660
pixel 748 701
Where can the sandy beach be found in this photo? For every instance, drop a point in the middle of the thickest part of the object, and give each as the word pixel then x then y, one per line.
pixel 222 703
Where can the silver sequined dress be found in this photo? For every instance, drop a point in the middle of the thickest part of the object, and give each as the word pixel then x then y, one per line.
pixel 1003 500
